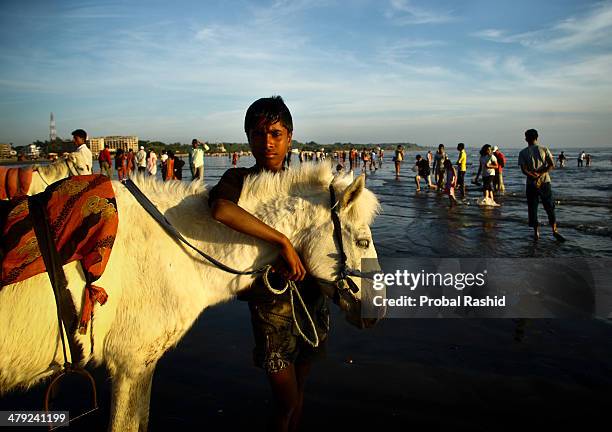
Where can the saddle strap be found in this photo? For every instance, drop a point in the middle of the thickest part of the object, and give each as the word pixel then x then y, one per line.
pixel 66 311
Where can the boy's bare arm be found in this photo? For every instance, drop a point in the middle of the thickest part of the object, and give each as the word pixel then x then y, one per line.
pixel 237 218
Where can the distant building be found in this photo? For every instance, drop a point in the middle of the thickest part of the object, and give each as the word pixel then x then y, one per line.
pixel 33 151
pixel 114 143
pixel 5 151
pixel 95 144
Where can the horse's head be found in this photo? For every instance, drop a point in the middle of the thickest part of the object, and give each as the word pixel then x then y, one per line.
pixel 334 251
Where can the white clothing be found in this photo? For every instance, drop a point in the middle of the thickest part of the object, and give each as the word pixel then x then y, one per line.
pixel 141 158
pixel 164 157
pixel 484 161
pixel 197 157
pixel 84 159
pixel 152 164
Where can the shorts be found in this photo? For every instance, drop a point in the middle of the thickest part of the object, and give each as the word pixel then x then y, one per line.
pixel 487 183
pixel 278 342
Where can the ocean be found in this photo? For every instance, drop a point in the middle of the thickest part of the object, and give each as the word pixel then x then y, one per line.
pixel 421 224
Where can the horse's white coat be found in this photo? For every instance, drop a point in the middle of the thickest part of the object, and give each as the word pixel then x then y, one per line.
pixel 44 175
pixel 157 288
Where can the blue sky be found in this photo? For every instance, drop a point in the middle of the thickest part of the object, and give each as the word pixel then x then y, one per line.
pixel 361 71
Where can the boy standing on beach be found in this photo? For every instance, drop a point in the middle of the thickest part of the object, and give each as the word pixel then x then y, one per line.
pixel 285 356
pixel 535 162
pixel 461 168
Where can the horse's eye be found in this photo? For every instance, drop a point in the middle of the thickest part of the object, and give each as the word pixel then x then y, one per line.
pixel 364 244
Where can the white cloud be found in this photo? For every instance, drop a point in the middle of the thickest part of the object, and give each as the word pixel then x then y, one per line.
pixel 404 12
pixel 594 28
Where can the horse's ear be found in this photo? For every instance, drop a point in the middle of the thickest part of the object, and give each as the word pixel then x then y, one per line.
pixel 352 192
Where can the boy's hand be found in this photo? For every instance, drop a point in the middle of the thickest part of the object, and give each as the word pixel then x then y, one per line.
pixel 294 269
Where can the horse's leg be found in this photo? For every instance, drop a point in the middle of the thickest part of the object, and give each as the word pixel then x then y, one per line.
pixel 145 400
pixel 130 401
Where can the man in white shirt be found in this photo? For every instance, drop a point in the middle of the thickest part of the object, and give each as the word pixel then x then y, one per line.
pixel 82 153
pixel 196 159
pixel 141 160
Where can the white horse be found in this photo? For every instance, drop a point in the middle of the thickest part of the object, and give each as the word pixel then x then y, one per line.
pixel 44 175
pixel 157 287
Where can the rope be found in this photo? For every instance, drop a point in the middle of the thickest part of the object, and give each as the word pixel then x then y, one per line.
pixel 291 286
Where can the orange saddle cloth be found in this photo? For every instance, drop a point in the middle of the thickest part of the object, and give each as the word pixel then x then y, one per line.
pixel 82 215
pixel 14 182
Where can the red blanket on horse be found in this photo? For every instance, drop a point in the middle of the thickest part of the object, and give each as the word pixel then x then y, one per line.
pixel 14 182
pixel 82 214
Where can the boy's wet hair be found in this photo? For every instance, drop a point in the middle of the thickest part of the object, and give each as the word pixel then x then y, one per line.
pixel 531 134
pixel 266 111
pixel 79 133
pixel 460 146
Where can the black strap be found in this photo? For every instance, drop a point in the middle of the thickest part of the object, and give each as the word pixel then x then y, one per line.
pixel 161 219
pixel 338 231
pixel 66 312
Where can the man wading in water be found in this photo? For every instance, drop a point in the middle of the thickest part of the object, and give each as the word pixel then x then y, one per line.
pixel 535 162
pixel 284 356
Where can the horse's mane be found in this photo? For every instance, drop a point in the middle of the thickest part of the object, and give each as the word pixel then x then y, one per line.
pixel 52 170
pixel 303 180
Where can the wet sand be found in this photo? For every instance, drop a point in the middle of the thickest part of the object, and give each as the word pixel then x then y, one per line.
pixel 461 374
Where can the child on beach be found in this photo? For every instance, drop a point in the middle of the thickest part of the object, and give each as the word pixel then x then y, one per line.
pixel 451 182
pixel 422 168
pixel 398 158
pixel 285 356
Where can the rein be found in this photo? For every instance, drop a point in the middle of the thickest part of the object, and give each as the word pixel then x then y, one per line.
pixel 343 283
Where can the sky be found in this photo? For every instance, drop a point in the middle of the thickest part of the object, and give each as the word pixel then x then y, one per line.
pixel 361 71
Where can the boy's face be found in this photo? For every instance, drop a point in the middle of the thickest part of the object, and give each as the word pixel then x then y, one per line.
pixel 269 144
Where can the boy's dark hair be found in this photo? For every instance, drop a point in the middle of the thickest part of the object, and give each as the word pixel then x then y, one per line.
pixel 266 111
pixel 194 141
pixel 460 146
pixel 80 133
pixel 418 157
pixel 441 146
pixel 531 135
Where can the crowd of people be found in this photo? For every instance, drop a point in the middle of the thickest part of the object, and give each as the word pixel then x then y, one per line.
pixel 127 163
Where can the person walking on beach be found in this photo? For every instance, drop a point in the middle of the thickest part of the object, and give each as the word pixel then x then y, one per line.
pixel 152 163
pixel 163 165
pixel 169 166
pixel 121 164
pixel 398 159
pixel 438 166
pixel 488 163
pixel 536 162
pixel 499 177
pixel 430 162
pixel 82 152
pixel 285 357
pixel 196 160
pixel 106 162
pixel 141 160
pixel 451 182
pixel 235 159
pixel 352 158
pixel 581 158
pixel 422 167
pixel 561 160
pixel 461 168
pixel 130 162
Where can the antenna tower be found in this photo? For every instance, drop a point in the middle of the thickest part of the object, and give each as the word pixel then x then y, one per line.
pixel 52 131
